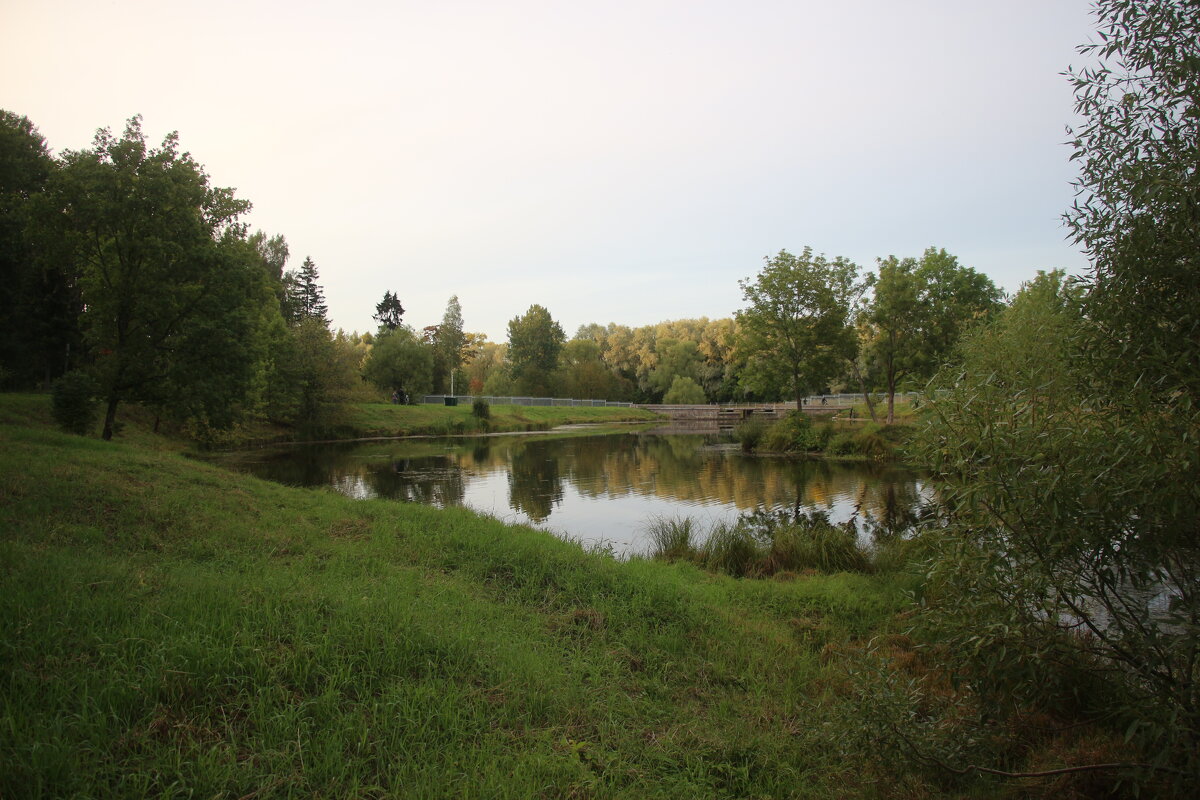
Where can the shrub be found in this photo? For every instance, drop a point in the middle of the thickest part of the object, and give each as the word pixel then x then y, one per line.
pixel 749 432
pixel 844 443
pixel 684 391
pixel 73 401
pixel 795 433
pixel 480 409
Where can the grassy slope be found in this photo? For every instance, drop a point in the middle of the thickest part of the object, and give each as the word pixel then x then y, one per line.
pixel 168 628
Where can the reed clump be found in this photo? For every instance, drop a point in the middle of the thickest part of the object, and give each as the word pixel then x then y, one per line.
pixel 762 544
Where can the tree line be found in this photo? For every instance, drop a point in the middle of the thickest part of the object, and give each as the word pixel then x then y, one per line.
pixel 125 270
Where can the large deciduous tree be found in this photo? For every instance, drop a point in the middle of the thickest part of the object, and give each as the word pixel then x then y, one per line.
pixel 399 361
pixel 917 313
pixel 795 332
pixel 157 250
pixel 534 343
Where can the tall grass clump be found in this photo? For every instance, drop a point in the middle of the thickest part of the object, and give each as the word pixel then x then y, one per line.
pixel 761 544
pixel 749 433
pixel 480 409
pixel 731 548
pixel 817 545
pixel 671 539
pixel 795 433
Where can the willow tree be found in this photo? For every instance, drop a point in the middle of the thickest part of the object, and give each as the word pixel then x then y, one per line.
pixel 1068 443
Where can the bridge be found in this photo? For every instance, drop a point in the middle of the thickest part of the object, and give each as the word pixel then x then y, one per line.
pixel 732 414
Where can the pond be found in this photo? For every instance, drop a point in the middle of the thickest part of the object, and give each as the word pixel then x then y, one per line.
pixel 600 489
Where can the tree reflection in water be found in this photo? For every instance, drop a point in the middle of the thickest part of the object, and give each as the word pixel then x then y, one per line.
pixel 600 486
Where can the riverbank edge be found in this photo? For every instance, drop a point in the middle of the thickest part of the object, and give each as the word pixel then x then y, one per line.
pixel 354 421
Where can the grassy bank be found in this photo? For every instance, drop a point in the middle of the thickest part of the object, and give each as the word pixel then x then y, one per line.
pixel 172 629
pixel 352 421
pixel 799 434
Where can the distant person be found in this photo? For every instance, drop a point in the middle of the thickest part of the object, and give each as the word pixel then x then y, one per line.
pixel 395 397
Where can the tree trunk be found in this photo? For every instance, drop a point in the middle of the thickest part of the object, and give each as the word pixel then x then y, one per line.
pixel 110 417
pixel 862 385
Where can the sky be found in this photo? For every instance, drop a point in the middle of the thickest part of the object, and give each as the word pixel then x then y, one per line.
pixel 612 161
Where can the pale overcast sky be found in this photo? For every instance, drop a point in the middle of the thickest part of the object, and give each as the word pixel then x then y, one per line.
pixel 613 161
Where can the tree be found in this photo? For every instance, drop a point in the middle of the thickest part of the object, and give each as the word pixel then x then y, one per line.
pixel 1065 445
pixel 534 343
pixel 154 246
pixel 684 391
pixel 918 311
pixel 399 361
pixel 305 298
pixel 39 293
pixel 449 344
pixel 584 373
pixel 676 359
pixel 795 333
pixel 388 311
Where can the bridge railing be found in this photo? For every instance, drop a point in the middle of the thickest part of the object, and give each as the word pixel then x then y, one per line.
pixel 467 399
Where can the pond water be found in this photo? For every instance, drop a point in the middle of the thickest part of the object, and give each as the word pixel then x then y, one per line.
pixel 599 489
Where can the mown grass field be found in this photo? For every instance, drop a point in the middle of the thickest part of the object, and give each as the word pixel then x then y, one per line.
pixel 170 629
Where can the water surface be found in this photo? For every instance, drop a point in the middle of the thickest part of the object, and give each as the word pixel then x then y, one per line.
pixel 600 489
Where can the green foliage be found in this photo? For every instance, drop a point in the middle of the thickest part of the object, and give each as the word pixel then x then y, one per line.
pixel 449 344
pixel 917 312
pixel 684 391
pixel 672 539
pixel 399 361
pixel 74 402
pixel 304 297
pixel 534 343
pixel 749 433
pixel 585 375
pixel 730 548
pixel 480 409
pixel 39 299
pixel 388 312
pixel 795 333
pixel 795 433
pixel 158 253
pixel 761 544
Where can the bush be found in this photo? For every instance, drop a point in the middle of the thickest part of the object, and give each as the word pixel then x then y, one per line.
pixel 749 432
pixel 480 409
pixel 73 401
pixel 796 433
pixel 842 444
pixel 684 391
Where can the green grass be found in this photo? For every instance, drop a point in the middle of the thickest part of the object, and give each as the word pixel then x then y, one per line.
pixel 382 419
pixel 354 421
pixel 168 629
